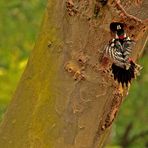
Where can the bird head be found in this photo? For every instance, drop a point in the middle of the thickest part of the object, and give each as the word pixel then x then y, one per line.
pixel 118 29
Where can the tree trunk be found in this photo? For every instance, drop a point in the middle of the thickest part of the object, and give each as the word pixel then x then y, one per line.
pixel 64 100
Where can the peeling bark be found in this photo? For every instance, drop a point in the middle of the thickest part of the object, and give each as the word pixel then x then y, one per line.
pixel 64 98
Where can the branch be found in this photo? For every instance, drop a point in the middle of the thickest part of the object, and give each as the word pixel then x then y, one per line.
pixel 126 141
pixel 124 138
pixel 138 136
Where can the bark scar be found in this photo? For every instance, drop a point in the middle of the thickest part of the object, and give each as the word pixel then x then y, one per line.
pixel 74 69
pixel 135 27
pixel 71 8
pixel 111 115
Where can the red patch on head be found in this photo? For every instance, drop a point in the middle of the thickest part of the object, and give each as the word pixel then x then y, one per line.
pixel 121 37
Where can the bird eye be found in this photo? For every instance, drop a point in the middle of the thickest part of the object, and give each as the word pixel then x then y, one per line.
pixel 114 26
pixel 118 27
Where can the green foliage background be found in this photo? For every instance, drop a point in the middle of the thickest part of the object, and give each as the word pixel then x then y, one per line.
pixel 20 23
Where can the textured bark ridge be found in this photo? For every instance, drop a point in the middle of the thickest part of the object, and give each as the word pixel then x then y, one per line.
pixel 66 97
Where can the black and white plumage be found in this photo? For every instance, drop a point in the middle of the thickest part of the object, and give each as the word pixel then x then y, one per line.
pixel 119 52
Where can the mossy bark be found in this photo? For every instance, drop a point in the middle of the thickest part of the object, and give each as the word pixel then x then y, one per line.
pixel 63 100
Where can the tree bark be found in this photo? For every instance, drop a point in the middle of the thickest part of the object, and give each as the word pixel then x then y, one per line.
pixel 64 99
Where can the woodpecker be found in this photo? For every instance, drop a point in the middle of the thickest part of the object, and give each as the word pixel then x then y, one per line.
pixel 119 51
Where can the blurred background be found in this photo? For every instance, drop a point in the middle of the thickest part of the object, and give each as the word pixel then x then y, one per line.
pixel 19 26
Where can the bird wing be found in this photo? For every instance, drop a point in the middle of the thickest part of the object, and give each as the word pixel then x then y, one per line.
pixel 114 51
pixel 128 46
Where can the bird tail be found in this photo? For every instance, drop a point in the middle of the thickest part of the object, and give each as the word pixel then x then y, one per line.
pixel 125 76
